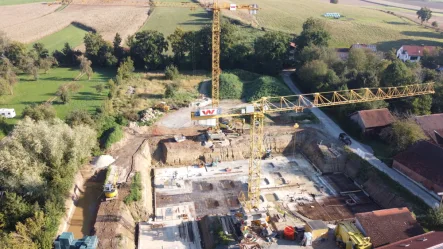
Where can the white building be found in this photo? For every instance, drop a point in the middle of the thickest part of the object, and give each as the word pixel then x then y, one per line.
pixel 413 53
pixel 7 113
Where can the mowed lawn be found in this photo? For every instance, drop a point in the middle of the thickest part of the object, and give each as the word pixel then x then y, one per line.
pixel 71 34
pixel 28 91
pixel 14 2
pixel 166 19
pixel 359 24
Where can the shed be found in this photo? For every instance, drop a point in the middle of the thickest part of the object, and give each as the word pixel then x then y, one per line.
pixel 372 120
pixel 318 228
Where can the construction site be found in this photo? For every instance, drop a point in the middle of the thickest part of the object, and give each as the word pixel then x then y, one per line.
pixel 196 185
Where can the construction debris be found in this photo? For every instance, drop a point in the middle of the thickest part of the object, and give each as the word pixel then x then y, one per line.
pixel 150 115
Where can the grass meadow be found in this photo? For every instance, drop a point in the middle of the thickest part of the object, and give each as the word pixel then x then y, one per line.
pixel 56 41
pixel 166 19
pixel 359 24
pixel 28 92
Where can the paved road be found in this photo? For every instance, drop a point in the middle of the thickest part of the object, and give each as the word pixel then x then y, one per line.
pixel 334 130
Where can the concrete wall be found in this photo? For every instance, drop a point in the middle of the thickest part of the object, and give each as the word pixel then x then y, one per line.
pixel 416 177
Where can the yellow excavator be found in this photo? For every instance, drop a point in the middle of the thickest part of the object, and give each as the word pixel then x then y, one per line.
pixel 349 237
pixel 110 186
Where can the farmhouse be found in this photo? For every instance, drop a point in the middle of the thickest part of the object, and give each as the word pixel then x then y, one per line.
pixel 7 113
pixel 413 53
pixel 388 225
pixel 432 126
pixel 372 120
pixel 422 162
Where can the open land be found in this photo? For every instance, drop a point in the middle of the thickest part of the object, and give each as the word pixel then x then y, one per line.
pixel 167 19
pixel 15 2
pixel 28 91
pixel 105 19
pixel 366 25
pixel 56 41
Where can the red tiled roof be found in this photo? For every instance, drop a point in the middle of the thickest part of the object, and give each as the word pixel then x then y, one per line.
pixel 431 124
pixel 425 159
pixel 376 118
pixel 424 241
pixel 417 50
pixel 389 225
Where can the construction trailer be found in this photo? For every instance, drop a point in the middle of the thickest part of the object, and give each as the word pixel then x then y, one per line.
pixel 66 241
pixel 349 237
pixel 7 113
pixel 110 186
pixel 317 228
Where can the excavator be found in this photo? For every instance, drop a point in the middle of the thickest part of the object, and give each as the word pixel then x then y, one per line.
pixel 349 237
pixel 110 186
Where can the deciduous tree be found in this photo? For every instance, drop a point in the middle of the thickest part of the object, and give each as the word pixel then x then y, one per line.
pixel 314 33
pixel 40 112
pixel 147 48
pixel 424 14
pixel 271 51
pixel 402 134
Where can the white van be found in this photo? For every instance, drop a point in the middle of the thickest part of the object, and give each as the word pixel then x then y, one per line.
pixel 7 113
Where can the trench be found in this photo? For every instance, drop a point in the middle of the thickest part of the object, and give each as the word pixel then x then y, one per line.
pixel 86 204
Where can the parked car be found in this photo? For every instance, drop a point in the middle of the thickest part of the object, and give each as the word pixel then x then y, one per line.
pixel 345 138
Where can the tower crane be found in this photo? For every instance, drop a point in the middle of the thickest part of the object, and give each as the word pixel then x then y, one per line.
pixel 298 103
pixel 216 7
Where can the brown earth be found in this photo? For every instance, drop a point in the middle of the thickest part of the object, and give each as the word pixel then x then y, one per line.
pixel 30 22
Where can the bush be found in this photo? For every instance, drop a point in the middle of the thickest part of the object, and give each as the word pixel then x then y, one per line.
pixel 264 86
pixel 40 112
pixel 79 117
pixel 402 134
pixel 136 189
pixel 230 86
pixel 171 90
pixel 112 136
pixel 334 1
pixel 171 72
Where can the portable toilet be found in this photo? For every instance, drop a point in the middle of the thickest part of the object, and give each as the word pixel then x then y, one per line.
pixel 318 228
pixel 7 113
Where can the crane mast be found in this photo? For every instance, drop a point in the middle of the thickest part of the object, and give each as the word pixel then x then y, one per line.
pixel 298 103
pixel 216 8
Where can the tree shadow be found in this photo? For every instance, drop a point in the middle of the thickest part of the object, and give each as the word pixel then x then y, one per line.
pixel 204 15
pixel 195 22
pixel 150 95
pixel 398 23
pixel 58 78
pixel 433 35
pixel 87 96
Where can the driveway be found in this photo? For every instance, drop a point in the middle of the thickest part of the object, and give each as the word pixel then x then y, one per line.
pixel 334 130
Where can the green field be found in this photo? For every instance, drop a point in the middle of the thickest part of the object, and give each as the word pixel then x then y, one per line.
pixel 28 92
pixel 13 2
pixel 359 25
pixel 71 34
pixel 166 19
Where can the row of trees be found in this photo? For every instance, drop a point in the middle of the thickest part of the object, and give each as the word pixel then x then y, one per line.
pixel 320 69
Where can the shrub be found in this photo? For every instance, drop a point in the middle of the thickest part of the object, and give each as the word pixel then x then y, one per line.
pixel 264 86
pixel 79 117
pixel 171 90
pixel 40 112
pixel 334 1
pixel 112 136
pixel 171 72
pixel 136 189
pixel 230 86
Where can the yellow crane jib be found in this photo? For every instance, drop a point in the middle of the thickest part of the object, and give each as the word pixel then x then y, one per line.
pixel 298 103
